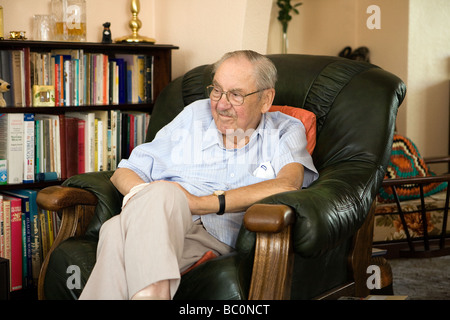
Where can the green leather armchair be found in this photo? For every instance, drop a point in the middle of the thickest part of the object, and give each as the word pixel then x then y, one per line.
pixel 312 243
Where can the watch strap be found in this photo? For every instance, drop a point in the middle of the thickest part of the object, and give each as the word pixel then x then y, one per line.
pixel 221 204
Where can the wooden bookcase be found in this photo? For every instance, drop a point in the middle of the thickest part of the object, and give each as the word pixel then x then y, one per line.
pixel 162 68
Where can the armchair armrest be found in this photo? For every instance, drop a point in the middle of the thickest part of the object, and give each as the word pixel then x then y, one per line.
pixel 268 218
pixel 272 224
pixel 56 198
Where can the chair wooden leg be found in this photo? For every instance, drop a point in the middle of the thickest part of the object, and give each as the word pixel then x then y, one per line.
pixel 361 254
pixel 273 266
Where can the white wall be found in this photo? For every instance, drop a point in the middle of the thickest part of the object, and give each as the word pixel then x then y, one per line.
pixel 428 76
pixel 413 41
pixel 206 29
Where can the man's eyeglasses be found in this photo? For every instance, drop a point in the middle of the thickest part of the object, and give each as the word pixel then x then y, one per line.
pixel 236 99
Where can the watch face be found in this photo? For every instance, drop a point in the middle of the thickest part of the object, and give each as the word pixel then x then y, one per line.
pixel 219 192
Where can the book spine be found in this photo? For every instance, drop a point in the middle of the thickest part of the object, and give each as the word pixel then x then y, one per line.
pixel 3 171
pixel 7 228
pixel 62 146
pixel 29 137
pixel 81 146
pixel 2 231
pixel 15 147
pixel 16 244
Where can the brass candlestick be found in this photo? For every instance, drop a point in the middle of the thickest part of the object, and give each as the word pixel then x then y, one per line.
pixel 135 25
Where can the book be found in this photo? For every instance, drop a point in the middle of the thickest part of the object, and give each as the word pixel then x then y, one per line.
pixel 149 78
pixel 34 230
pixel 81 146
pixel 50 149
pixel 28 137
pixel 18 77
pixel 38 151
pixel 15 241
pixel 3 171
pixel 62 145
pixel 89 137
pixel 140 69
pixel 71 149
pixel 114 132
pixel 122 79
pixel 12 145
pixel 6 228
pixel 27 278
pixel 103 118
pixel 26 72
pixel 2 231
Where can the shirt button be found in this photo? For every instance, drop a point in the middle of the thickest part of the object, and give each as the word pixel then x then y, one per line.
pixel 232 175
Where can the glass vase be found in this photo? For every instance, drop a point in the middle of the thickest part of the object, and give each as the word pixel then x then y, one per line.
pixel 70 19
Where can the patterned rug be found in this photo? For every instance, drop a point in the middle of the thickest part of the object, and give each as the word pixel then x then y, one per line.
pixel 422 279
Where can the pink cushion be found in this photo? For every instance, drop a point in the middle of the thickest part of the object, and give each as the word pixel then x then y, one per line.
pixel 308 119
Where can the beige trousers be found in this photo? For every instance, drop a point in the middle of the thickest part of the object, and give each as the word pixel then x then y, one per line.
pixel 152 239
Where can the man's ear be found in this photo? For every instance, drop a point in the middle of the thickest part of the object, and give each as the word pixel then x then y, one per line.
pixel 268 96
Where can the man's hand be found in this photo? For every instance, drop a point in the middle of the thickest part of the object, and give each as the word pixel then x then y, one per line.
pixel 199 205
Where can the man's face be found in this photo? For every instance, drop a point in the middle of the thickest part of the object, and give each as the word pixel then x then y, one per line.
pixel 236 75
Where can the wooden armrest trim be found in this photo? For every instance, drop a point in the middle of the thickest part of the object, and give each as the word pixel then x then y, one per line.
pixel 437 159
pixel 273 262
pixel 416 180
pixel 271 218
pixel 56 198
pixel 272 266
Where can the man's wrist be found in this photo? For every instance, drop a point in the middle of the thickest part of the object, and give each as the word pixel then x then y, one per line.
pixel 221 196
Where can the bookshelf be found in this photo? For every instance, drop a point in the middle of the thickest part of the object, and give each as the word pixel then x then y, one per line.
pixel 124 107
pixel 161 76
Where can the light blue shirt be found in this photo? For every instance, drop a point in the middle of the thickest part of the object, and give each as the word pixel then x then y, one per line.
pixel 190 151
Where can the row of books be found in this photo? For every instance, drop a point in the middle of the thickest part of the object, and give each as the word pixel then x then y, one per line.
pixel 74 78
pixel 40 147
pixel 26 235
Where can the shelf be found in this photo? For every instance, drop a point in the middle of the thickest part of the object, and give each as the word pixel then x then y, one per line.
pixel 60 110
pixel 89 46
pixel 34 185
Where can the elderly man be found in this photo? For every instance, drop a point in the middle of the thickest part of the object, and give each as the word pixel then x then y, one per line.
pixel 187 190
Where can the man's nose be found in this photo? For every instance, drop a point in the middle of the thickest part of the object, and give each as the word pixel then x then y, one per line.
pixel 223 102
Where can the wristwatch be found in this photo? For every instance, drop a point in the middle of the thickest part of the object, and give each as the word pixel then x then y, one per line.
pixel 221 195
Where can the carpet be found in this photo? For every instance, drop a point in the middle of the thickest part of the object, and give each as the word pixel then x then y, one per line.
pixel 422 279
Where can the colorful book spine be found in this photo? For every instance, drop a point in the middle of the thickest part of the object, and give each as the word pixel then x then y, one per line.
pixel 16 242
pixel 29 138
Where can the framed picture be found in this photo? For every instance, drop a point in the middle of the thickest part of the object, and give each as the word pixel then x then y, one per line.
pixel 43 96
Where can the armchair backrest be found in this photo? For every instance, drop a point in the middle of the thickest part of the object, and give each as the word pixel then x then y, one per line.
pixel 354 102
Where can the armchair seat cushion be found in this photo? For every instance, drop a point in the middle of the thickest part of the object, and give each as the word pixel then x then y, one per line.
pixel 228 279
pixel 78 252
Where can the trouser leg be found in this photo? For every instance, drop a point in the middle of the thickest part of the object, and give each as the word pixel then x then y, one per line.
pixel 142 245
